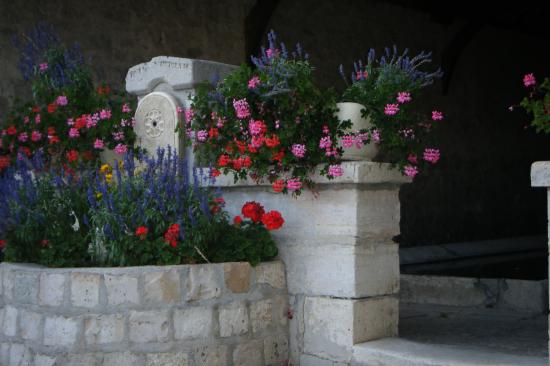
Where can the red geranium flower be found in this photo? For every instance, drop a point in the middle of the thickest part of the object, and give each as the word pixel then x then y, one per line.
pixel 213 133
pixel 278 185
pixel 72 155
pixel 252 149
pixel 273 220
pixel 246 161
pixel 237 164
pixel 36 109
pixel 214 172
pixel 141 232
pixel 2 244
pixel 80 122
pixel 25 150
pixel 273 141
pixel 11 130
pixel 223 160
pixel 241 146
pixel 237 220
pixel 4 162
pixel 278 156
pixel 53 139
pixel 171 235
pixel 52 107
pixel 253 210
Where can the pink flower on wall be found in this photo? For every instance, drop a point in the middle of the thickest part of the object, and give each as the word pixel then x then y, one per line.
pixel 62 100
pixel 293 184
pixel 73 133
pixel 410 171
pixel 431 155
pixel 403 97
pixel 241 108
pixel 253 82
pixel 298 150
pixel 99 144
pixel 529 80
pixel 121 149
pixel 391 109
pixel 36 136
pixel 335 170
pixel 437 115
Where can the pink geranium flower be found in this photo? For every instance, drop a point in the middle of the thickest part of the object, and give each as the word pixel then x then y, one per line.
pixel 437 115
pixel 73 133
pixel 293 184
pixel 241 108
pixel 325 142
pixel 347 141
pixel 36 136
pixel 202 135
pixel 61 100
pixel 43 66
pixel 529 80
pixel 335 170
pixel 391 109
pixel 298 150
pixel 121 149
pixel 403 97
pixel 99 144
pixel 253 82
pixel 431 155
pixel 410 171
pixel 126 108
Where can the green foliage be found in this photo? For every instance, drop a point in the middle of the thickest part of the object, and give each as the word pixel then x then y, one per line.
pixel 537 104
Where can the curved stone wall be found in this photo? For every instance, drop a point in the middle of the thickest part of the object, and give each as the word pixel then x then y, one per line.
pixel 208 314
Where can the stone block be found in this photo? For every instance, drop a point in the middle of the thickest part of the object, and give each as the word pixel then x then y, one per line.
pixel 333 326
pixel 194 322
pixel 376 269
pixel 104 329
pixel 271 273
pixel 122 358
pixel 85 289
pixel 261 315
pixel 20 355
pixel 280 310
pixel 10 321
pixel 61 331
pixel 248 354
pixel 213 355
pixel 275 349
pixel 378 214
pixel 44 360
pixel 85 359
pixel 237 277
pixel 26 289
pixel 8 283
pixel 162 287
pixel 122 289
pixel 204 282
pixel 167 359
pixel 233 319
pixel 52 289
pixel 4 353
pixel 309 360
pixel 30 325
pixel 149 326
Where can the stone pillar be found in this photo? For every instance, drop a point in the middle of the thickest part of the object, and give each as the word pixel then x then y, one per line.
pixel 162 85
pixel 540 177
pixel 342 265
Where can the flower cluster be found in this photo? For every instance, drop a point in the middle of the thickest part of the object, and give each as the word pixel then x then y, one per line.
pixel 151 213
pixel 68 119
pixel 537 102
pixel 268 122
pixel 272 220
pixel 388 88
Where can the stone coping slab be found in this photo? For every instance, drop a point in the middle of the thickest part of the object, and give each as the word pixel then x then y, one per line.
pixel 355 172
pixel 540 174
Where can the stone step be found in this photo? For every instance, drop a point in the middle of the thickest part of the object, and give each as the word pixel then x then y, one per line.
pixel 510 294
pixel 402 352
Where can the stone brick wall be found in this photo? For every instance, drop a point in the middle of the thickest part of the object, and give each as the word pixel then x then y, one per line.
pixel 189 315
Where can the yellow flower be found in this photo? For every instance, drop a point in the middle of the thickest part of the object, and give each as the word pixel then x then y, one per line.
pixel 105 168
pixel 98 195
pixel 108 177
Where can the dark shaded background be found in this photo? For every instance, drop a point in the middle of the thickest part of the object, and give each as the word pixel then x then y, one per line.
pixel 480 189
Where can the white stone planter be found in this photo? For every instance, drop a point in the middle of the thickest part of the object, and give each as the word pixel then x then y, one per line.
pixel 172 315
pixel 352 111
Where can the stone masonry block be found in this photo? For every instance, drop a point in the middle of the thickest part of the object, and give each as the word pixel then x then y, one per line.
pixel 261 315
pixel 10 321
pixel 104 329
pixel 44 360
pixel 26 287
pixel 8 283
pixel 276 349
pixel 85 289
pixel 30 325
pixel 52 289
pixel 237 276
pixel 248 354
pixel 194 322
pixel 213 355
pixel 61 331
pixel 271 273
pixel 204 282
pixel 162 287
pixel 333 326
pixel 20 355
pixel 122 358
pixel 122 289
pixel 167 359
pixel 149 326
pixel 233 319
pixel 82 359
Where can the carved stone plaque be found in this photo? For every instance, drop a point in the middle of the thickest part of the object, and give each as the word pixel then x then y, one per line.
pixel 156 121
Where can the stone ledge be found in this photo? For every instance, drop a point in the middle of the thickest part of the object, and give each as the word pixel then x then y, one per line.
pixel 540 174
pixel 355 172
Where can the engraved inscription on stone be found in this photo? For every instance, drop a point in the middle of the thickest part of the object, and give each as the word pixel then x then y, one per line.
pixel 156 120
pixel 154 123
